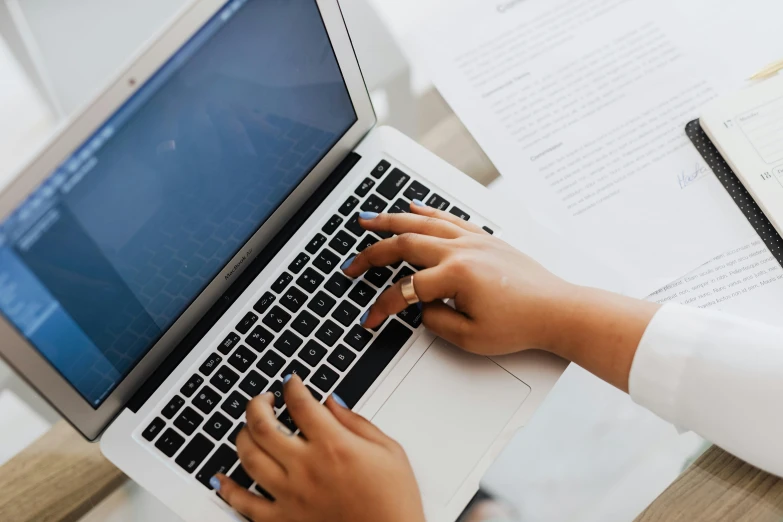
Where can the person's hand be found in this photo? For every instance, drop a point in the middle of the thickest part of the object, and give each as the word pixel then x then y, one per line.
pixel 505 302
pixel 343 469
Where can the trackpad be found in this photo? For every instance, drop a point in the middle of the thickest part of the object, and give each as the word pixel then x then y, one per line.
pixel 447 413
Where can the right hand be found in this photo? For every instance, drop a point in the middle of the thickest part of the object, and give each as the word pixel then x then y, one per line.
pixel 505 302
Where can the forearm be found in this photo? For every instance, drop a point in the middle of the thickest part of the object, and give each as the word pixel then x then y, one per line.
pixel 601 331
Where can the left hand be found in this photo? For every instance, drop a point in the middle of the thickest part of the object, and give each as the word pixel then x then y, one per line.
pixel 345 469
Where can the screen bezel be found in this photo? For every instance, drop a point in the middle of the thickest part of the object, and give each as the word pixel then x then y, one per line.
pixel 19 353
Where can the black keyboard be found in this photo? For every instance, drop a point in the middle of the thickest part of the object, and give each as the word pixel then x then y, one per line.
pixel 306 323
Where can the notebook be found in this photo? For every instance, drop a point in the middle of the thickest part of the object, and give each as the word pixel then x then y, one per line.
pixel 747 130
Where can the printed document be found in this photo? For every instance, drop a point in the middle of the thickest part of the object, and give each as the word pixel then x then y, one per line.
pixel 581 104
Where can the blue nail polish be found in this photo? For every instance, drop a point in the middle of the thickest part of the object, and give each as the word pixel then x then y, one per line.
pixel 215 483
pixel 368 215
pixel 287 378
pixel 348 263
pixel 364 318
pixel 339 401
pixel 419 203
pixel 420 306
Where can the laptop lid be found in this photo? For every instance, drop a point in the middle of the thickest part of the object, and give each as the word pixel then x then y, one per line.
pixel 130 224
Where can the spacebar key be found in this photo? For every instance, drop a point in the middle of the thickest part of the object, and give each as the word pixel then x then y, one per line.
pixel 371 365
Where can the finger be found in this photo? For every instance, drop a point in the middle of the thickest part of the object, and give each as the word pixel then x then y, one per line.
pixel 445 322
pixel 269 434
pixel 419 208
pixel 430 285
pixel 254 507
pixel 259 464
pixel 356 423
pixel 310 416
pixel 413 224
pixel 416 249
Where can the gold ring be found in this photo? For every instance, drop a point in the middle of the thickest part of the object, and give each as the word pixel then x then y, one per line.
pixel 409 291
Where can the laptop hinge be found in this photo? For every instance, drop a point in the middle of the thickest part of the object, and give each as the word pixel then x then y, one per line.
pixel 224 303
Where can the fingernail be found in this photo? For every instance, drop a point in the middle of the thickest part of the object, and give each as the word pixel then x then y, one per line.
pixel 368 215
pixel 348 263
pixel 364 318
pixel 419 203
pixel 339 401
pixel 287 378
pixel 215 483
pixel 420 306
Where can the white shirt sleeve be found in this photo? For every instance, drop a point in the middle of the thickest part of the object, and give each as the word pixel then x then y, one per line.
pixel 718 376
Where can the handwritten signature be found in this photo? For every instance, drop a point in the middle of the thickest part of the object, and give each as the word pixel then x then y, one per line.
pixel 688 177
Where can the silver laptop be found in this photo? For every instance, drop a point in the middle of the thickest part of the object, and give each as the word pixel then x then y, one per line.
pixel 175 251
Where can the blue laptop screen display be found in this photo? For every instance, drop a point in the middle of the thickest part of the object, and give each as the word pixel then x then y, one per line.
pixel 109 251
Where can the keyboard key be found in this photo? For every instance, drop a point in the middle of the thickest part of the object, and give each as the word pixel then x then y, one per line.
pixel 169 442
pixel 393 184
pixel 364 189
pixel 206 400
pixel 382 168
pixel 296 368
pixel 310 280
pixel 324 378
pixel 217 426
pixel 188 421
pixel 312 353
pixel 321 304
pixel 317 396
pixel 348 206
pixel 260 339
pixel 246 323
pixel 277 390
pixel 378 276
pixel 305 323
pixel 271 363
pixel 264 303
pixel 173 407
pixel 373 362
pixel 338 284
pixel 222 461
pixel 329 333
pixel 288 343
pixel 405 272
pixel 368 241
pixel 411 315
pixel 342 242
pixel 282 282
pixel 253 384
pixel 354 227
pixel 153 429
pixel 194 453
pixel 333 224
pixel 358 338
pixel 362 294
pixel 374 204
pixel 460 213
pixel 326 261
pixel 277 318
pixel 242 359
pixel 438 202
pixel 346 313
pixel 316 243
pixel 224 379
pixel 294 299
pixel 232 438
pixel 229 343
pixel 192 385
pixel 400 207
pixel 288 421
pixel 489 231
pixel 241 477
pixel 341 358
pixel 235 405
pixel 416 191
pixel 209 366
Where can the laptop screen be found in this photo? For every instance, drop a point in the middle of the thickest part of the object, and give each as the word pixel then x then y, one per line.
pixel 109 251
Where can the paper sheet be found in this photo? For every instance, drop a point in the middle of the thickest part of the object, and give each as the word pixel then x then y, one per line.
pixel 581 105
